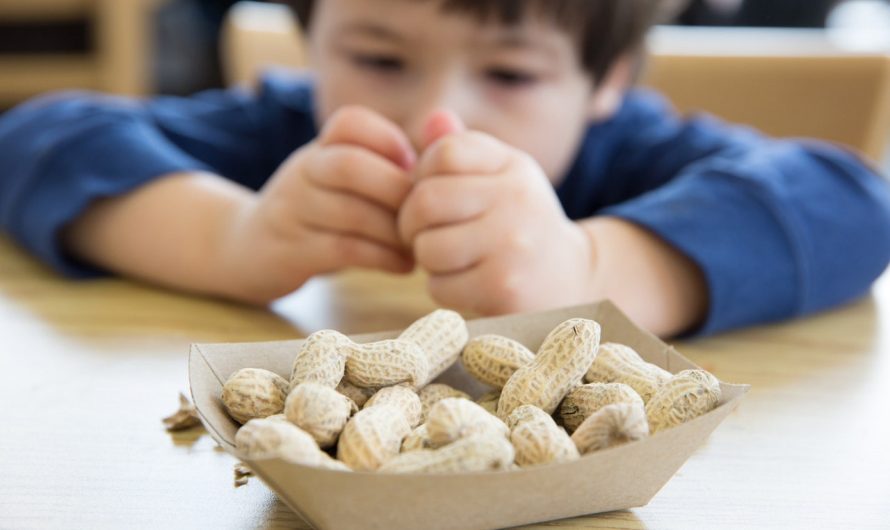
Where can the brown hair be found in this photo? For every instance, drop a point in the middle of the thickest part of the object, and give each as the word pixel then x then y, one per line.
pixel 602 29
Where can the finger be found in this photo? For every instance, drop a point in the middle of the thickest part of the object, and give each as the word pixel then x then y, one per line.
pixel 486 288
pixel 349 214
pixel 444 200
pixel 339 251
pixel 441 123
pixel 462 153
pixel 365 128
pixel 451 248
pixel 361 172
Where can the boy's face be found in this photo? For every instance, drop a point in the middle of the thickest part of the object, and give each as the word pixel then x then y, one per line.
pixel 407 58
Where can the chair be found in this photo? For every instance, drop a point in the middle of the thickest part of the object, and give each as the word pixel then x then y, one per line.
pixel 784 82
pixel 119 62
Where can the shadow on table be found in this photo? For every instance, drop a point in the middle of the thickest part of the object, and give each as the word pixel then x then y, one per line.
pixel 280 517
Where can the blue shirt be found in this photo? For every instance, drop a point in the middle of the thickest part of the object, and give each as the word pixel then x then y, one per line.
pixel 779 228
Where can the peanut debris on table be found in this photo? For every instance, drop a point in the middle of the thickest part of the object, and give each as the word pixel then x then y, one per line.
pixel 184 418
pixel 242 474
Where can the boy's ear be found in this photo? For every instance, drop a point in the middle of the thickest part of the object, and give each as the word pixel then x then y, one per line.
pixel 608 94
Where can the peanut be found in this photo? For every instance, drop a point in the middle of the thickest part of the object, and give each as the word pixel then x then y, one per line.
pixel 418 439
pixel 537 439
pixel 401 397
pixel 319 410
pixel 617 363
pixel 489 401
pixel 442 334
pixel 254 393
pixel 492 359
pixel 431 394
pixel 524 414
pixel 263 438
pixel 372 436
pixel 479 452
pixel 684 396
pixel 611 425
pixel 358 395
pixel 560 364
pixel 321 359
pixel 385 363
pixel 453 418
pixel 584 400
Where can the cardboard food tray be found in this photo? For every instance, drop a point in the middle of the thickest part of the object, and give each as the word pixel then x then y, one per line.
pixel 621 477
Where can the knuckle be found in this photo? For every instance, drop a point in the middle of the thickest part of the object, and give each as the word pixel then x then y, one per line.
pixel 344 116
pixel 344 167
pixel 423 202
pixel 446 154
pixel 432 253
pixel 507 293
pixel 345 249
pixel 352 218
pixel 443 295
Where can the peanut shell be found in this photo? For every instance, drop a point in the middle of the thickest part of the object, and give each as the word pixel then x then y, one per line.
pixel 401 397
pixel 617 363
pixel 492 359
pixel 319 410
pixel 386 363
pixel 433 393
pixel 479 452
pixel 559 365
pixel 540 441
pixel 254 393
pixel 442 334
pixel 611 425
pixel 685 396
pixel 454 418
pixel 372 436
pixel 321 359
pixel 586 399
pixel 264 438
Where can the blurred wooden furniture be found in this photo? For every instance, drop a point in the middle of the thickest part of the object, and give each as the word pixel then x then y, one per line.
pixel 784 82
pixel 119 62
pixel 88 369
pixel 256 36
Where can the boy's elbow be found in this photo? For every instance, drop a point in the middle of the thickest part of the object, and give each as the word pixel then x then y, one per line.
pixel 854 245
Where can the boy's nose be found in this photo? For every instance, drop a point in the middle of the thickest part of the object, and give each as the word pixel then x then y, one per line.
pixel 439 123
pixel 445 97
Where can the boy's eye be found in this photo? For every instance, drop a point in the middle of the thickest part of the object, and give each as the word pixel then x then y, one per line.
pixel 510 78
pixel 380 63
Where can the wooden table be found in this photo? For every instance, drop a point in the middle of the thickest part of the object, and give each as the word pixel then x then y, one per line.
pixel 88 370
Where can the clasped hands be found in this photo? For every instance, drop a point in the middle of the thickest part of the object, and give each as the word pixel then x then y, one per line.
pixel 479 216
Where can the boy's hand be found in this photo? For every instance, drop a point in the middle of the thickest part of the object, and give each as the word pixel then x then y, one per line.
pixel 331 205
pixel 484 221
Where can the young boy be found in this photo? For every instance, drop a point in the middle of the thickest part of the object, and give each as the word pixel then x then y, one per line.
pixel 493 143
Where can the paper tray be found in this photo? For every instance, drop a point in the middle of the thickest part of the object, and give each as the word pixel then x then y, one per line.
pixel 622 477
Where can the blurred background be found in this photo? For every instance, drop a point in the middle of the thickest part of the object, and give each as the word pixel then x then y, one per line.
pixel 146 47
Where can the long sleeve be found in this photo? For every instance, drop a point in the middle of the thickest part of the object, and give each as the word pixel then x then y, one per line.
pixel 61 152
pixel 779 228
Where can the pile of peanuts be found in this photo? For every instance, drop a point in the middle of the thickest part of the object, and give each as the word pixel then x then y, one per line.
pixel 371 407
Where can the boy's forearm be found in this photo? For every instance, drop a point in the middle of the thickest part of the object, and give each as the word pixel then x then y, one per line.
pixel 658 286
pixel 172 232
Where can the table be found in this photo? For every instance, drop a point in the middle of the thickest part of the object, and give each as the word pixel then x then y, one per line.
pixel 88 370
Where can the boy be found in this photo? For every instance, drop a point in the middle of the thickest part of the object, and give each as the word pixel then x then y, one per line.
pixel 491 142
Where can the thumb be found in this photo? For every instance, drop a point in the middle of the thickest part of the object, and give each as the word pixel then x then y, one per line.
pixel 440 123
